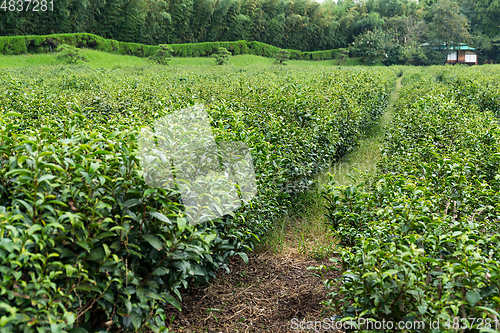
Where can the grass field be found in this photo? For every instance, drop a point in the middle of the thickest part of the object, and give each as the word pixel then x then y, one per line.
pixel 108 60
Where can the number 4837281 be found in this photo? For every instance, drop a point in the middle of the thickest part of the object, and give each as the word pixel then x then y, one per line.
pixel 27 5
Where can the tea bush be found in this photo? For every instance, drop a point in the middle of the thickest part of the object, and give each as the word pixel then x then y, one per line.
pixel 85 242
pixel 419 240
pixel 69 54
pixel 222 56
pixel 163 55
pixel 282 56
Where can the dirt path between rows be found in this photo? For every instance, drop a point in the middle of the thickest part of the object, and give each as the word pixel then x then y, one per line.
pixel 263 296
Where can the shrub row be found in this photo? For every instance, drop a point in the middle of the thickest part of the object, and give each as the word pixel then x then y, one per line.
pixel 84 240
pixel 323 55
pixel 48 43
pixel 39 44
pixel 419 241
pixel 473 85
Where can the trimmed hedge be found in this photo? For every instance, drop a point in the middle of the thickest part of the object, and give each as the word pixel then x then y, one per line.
pixel 244 47
pixel 41 44
pixel 324 55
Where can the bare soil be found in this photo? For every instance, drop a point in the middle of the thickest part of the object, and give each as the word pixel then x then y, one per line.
pixel 261 296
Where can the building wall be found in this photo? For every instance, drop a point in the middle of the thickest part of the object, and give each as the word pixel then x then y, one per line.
pixel 470 57
pixel 461 56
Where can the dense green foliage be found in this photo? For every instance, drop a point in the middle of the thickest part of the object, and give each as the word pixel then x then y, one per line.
pixel 282 56
pixel 289 24
pixel 369 45
pixel 37 44
pixel 162 55
pixel 84 240
pixel 69 54
pixel 419 240
pixel 222 57
pixel 298 24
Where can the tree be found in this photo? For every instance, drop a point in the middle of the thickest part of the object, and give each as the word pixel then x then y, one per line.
pixel 157 23
pixel 369 22
pixel 222 58
pixel 341 56
pixel 369 45
pixel 181 12
pixel 413 54
pixel 304 25
pixel 404 37
pixel 484 15
pixel 447 26
pixel 70 54
pixel 405 30
pixel 163 55
pixel 282 56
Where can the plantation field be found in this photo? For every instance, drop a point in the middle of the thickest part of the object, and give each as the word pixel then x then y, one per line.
pixel 419 241
pixel 87 245
pixel 84 239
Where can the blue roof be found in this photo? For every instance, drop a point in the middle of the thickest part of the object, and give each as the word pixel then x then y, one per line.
pixel 462 48
pixel 459 47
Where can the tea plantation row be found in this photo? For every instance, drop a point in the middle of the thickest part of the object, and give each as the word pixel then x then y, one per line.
pixel 420 240
pixel 84 240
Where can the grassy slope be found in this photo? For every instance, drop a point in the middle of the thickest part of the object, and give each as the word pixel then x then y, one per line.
pixel 102 59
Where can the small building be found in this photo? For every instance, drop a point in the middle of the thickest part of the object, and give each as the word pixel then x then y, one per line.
pixel 462 54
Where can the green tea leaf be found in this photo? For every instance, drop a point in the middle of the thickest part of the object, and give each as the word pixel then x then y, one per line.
pixel 84 244
pixel 136 319
pixel 13 114
pixel 160 271
pixel 160 217
pixel 181 223
pixel 172 301
pixel 94 166
pixel 472 297
pixel 154 241
pixel 243 256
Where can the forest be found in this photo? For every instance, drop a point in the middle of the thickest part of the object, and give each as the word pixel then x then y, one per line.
pixel 398 31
